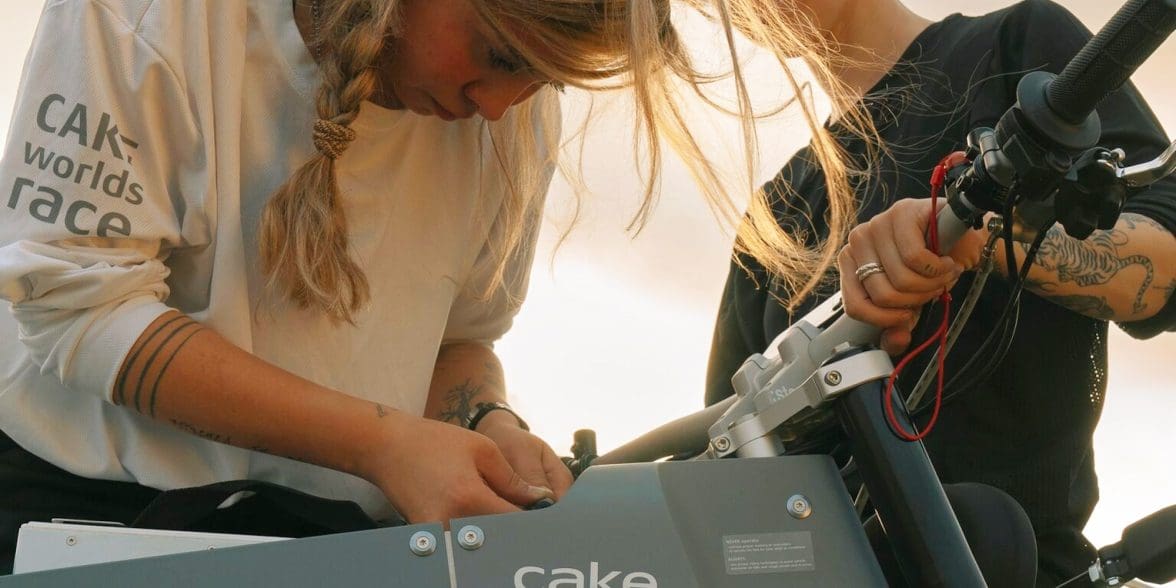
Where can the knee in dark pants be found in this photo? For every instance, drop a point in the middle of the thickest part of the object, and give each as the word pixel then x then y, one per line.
pixel 997 529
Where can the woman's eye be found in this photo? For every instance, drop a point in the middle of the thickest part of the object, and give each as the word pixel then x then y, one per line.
pixel 503 63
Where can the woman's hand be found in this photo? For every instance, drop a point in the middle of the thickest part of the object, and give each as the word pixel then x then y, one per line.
pixel 533 459
pixel 468 374
pixel 433 471
pixel 888 273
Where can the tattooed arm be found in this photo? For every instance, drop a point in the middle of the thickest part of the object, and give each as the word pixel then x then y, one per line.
pixel 1126 273
pixel 467 374
pixel 183 373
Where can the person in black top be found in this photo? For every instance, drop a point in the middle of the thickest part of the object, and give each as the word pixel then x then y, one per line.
pixel 1026 425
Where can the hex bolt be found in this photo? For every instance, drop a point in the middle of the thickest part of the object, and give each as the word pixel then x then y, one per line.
pixel 470 537
pixel 71 541
pixel 799 506
pixel 722 444
pixel 423 543
pixel 833 378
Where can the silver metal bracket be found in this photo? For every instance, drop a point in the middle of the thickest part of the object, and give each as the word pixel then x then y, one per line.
pixel 778 400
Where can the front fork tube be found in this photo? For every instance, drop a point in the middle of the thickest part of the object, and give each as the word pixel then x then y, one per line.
pixel 906 493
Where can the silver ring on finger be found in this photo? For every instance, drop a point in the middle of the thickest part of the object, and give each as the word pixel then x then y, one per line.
pixel 868 269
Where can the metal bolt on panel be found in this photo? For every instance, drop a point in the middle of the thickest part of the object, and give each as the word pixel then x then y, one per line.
pixel 470 537
pixel 423 543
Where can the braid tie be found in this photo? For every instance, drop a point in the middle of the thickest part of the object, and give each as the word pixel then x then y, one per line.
pixel 331 138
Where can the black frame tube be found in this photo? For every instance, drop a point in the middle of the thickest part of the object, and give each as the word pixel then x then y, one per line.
pixel 920 525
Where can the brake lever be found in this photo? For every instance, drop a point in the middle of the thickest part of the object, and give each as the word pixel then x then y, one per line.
pixel 1150 172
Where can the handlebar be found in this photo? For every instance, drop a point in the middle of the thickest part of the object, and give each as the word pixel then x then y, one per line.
pixel 1104 63
pixel 685 435
pixel 689 434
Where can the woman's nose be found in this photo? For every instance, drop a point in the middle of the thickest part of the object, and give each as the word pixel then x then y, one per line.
pixel 494 98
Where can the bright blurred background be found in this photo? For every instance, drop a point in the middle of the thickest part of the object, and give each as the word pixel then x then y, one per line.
pixel 616 330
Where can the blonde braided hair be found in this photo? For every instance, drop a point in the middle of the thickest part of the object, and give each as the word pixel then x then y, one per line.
pixel 331 138
pixel 304 242
pixel 591 44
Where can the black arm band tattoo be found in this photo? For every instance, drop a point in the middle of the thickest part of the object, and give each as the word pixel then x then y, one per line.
pixel 160 353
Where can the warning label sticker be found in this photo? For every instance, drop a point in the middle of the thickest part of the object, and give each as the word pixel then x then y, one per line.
pixel 766 553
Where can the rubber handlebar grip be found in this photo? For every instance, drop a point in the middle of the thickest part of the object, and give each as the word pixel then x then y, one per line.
pixel 1109 59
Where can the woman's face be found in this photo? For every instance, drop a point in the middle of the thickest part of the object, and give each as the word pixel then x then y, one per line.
pixel 448 63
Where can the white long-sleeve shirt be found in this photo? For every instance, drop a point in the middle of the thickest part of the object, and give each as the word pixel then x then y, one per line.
pixel 146 139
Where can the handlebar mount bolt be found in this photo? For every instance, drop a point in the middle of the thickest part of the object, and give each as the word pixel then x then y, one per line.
pixel 722 444
pixel 833 378
pixel 799 506
pixel 470 537
pixel 423 543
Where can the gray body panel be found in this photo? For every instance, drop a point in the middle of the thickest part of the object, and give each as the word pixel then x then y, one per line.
pixel 364 558
pixel 692 524
pixel 671 519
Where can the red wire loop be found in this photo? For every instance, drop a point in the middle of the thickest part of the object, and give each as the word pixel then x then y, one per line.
pixel 938 178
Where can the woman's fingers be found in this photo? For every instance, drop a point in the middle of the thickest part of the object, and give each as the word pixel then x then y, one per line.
pixel 530 457
pixel 434 472
pixel 909 223
pixel 857 301
pixel 912 274
pixel 473 497
pixel 557 472
pixel 507 483
pixel 863 250
pixel 896 340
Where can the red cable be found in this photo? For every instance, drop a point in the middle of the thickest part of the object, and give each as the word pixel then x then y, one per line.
pixel 938 178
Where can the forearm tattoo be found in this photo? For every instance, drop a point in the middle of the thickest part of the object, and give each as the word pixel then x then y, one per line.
pixel 211 436
pixel 459 401
pixel 137 385
pixel 1092 262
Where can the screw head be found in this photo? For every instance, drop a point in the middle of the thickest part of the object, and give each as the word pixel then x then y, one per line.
pixel 799 506
pixel 470 537
pixel 722 443
pixel 833 378
pixel 422 543
pixel 71 540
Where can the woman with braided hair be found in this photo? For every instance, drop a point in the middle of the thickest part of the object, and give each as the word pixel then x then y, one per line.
pixel 275 241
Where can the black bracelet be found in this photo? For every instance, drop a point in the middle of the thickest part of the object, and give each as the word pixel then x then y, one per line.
pixel 484 408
